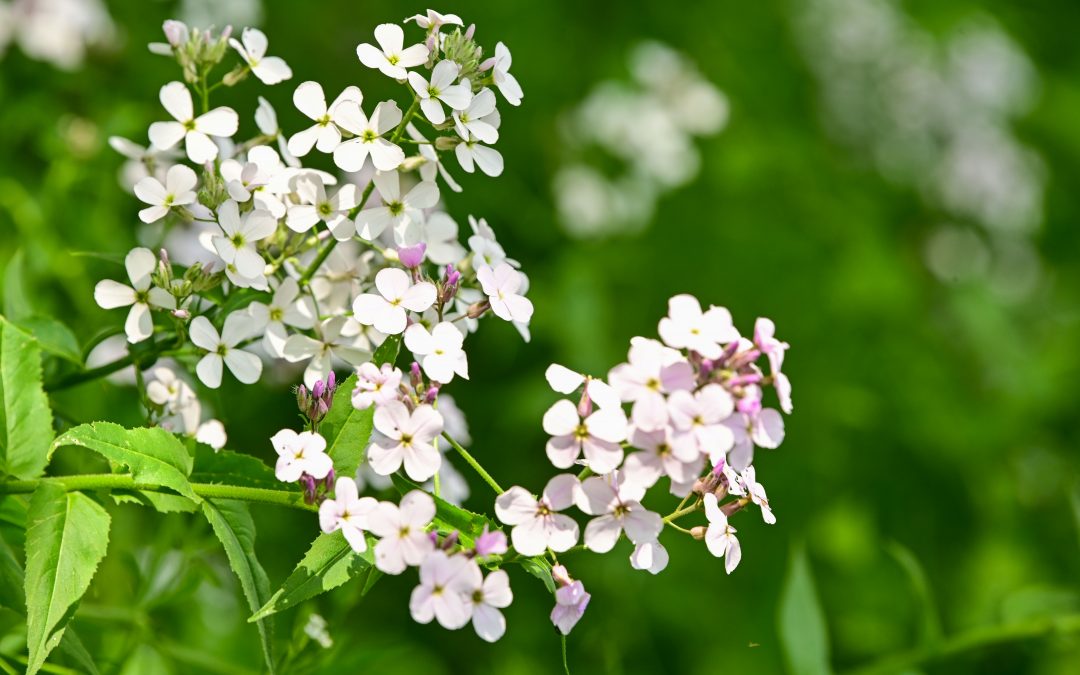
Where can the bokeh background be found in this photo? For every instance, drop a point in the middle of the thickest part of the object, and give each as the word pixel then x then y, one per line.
pixel 894 183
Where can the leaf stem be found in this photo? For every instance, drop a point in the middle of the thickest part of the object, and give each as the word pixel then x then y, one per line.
pixel 474 464
pixel 124 481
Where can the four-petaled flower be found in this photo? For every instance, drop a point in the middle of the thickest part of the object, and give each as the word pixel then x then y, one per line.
pixel 140 296
pixel 441 88
pixel 401 214
pixel 405 438
pixel 487 596
pixel 300 453
pixel 720 536
pixel 315 206
pixel 222 350
pixel 324 134
pixel 390 57
pixel 269 69
pixel 507 83
pixel 194 131
pixel 402 528
pixel 440 351
pixel 537 525
pixel 178 190
pixel 236 245
pixel 353 153
pixel 443 589
pixel 616 503
pixel 387 310
pixel 347 512
pixel 501 285
pixel 375 386
pixel 687 327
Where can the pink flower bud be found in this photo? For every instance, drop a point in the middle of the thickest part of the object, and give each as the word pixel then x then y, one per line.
pixel 412 256
pixel 452 276
pixel 176 33
pixel 181 314
pixel 491 543
pixel 470 31
pixel 560 575
pixel 317 390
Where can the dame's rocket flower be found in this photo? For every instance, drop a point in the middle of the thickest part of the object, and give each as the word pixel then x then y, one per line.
pixel 537 525
pixel 194 131
pixel 140 296
pixel 252 48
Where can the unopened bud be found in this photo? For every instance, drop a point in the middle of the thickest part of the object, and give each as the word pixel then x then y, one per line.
pixel 307 481
pixel 430 43
pixel 698 532
pixel 706 483
pixel 235 76
pixel 303 401
pixel 432 393
pixel 444 143
pixel 317 389
pixel 331 384
pixel 584 407
pixel 181 314
pixel 734 506
pixel 477 309
pixel 452 276
pixel 413 163
pixel 415 376
pixel 176 33
pixel 451 540
pixel 561 575
pixel 412 256
pixel 470 31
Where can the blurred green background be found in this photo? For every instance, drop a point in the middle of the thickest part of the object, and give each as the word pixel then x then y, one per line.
pixel 934 352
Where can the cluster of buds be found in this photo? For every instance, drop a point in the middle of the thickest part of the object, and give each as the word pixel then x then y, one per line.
pixel 316 403
pixel 197 51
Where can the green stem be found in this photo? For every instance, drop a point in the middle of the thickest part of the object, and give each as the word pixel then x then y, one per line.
pixel 87 375
pixel 679 513
pixel 474 464
pixel 976 638
pixel 123 481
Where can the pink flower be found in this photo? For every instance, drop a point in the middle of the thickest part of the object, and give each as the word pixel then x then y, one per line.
pixel 687 327
pixel 490 543
pixel 488 596
pixel 501 285
pixel 405 438
pixel 570 603
pixel 347 512
pixel 444 583
pixel 299 454
pixel 657 458
pixel 774 349
pixel 756 492
pixel 653 371
pixel 387 310
pixel 537 526
pixel 698 421
pixel 375 386
pixel 616 503
pixel 402 528
pixel 649 555
pixel 598 436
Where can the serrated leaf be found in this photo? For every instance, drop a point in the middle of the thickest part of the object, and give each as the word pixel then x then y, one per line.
pixel 232 523
pixel 802 629
pixel 329 563
pixel 162 502
pixel 347 429
pixel 16 303
pixel 448 517
pixel 25 419
pixel 152 455
pixel 235 468
pixel 66 538
pixel 53 337
pixel 929 624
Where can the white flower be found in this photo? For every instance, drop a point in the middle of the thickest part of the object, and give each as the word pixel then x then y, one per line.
pixel 255 179
pixel 267 122
pixel 441 595
pixel 440 233
pixel 351 155
pixel 756 492
pixel 316 206
pixel 328 343
pixel 537 526
pixel 194 131
pixel 488 596
pixel 212 433
pixel 404 540
pixel 221 349
pixel 479 119
pixel 405 438
pixel 441 88
pixel 376 386
pixel 470 152
pixel 237 245
pixel 720 536
pixel 177 399
pixel 402 214
pixel 649 555
pixel 433 20
pixel 178 190
pixel 324 134
pixel 687 327
pixel 432 165
pixel 387 310
pixel 653 371
pixel 439 351
pixel 269 69
pixel 597 436
pixel 698 420
pixel 390 57
pixel 566 381
pixel 347 512
pixel 657 458
pixel 501 285
pixel 109 294
pixel 484 245
pixel 616 503
pixel 507 83
pixel 300 453
pixel 286 308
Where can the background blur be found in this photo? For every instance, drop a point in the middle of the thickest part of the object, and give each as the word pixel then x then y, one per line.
pixel 894 184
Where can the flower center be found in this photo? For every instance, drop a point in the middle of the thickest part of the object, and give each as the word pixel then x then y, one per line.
pixel 581 432
pixel 396 208
pixel 222 350
pixel 478 597
pixel 653 384
pixel 406 439
pixel 324 209
pixel 277 314
pixel 369 136
pixel 393 59
pixel 189 125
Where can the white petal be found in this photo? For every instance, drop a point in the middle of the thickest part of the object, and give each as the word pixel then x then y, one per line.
pixel 209 370
pixel 176 99
pixel 244 365
pixel 109 294
pixel 218 122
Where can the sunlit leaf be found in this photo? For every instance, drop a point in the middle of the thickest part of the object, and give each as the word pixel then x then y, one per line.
pixel 929 623
pixel 25 419
pixel 66 538
pixel 802 629
pixel 54 337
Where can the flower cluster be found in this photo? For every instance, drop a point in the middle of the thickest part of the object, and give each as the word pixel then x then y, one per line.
pixel 311 248
pixel 646 128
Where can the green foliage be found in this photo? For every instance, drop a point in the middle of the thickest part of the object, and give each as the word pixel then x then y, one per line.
pixel 16 303
pixel 153 456
pixel 54 337
pixel 449 517
pixel 25 418
pixel 234 468
pixel 329 563
pixel 66 538
pixel 803 634
pixel 347 429
pixel 232 523
pixel 929 628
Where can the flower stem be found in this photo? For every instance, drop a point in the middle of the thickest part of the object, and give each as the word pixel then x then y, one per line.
pixel 124 481
pixel 92 374
pixel 324 253
pixel 474 464
pixel 679 513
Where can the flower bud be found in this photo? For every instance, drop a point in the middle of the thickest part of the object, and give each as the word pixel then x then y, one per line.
pixel 561 575
pixel 415 377
pixel 477 309
pixel 317 389
pixel 734 506
pixel 307 481
pixel 451 541
pixel 181 314
pixel 470 31
pixel 444 143
pixel 698 532
pixel 331 384
pixel 432 393
pixel 413 163
pixel 235 76
pixel 452 276
pixel 176 33
pixel 412 256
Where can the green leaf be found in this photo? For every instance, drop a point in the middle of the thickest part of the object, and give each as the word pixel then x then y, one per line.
pixel 234 527
pixel 16 303
pixel 25 419
pixel 541 569
pixel 72 647
pixel 153 456
pixel 929 624
pixel 161 502
pixel 66 538
pixel 802 628
pixel 448 517
pixel 329 563
pixel 54 337
pixel 347 429
pixel 234 468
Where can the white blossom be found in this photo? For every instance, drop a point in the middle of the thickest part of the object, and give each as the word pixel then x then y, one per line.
pixel 194 131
